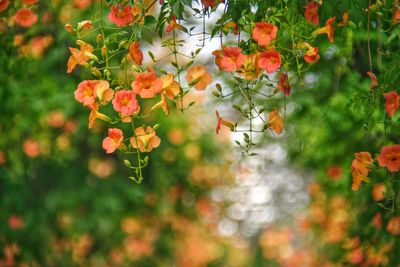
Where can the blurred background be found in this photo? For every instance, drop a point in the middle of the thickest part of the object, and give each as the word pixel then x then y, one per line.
pixel 64 202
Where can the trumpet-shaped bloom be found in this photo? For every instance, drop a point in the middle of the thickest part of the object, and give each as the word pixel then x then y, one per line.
pixel 145 139
pixel 125 102
pixel 390 158
pixel 173 25
pixel 345 19
pixel 269 61
pixel 249 69
pixel 374 80
pixel 170 87
pixel 121 17
pixel 229 58
pixel 95 114
pixel 360 168
pixel 113 141
pixel 221 122
pixel 4 4
pixel 25 17
pixel 391 103
pixel 79 57
pixel 89 90
pixel 311 56
pixel 283 84
pixel 147 85
pixel 311 12
pixel 135 54
pixel 264 32
pixel 199 75
pixel 328 29
pixel 275 122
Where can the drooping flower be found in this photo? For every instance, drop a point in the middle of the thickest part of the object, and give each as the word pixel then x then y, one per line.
pixel 391 102
pixel 360 168
pixel 163 103
pixel 95 114
pixel 25 17
pixel 311 12
pixel 125 102
pixel 374 80
pixel 79 57
pixel 199 76
pixel 221 122
pixel 121 17
pixel 345 19
pixel 113 141
pixel 170 87
pixel 311 56
pixel 147 85
pixel 173 25
pixel 135 54
pixel 390 158
pixel 145 139
pixel 264 32
pixel 327 29
pixel 283 84
pixel 275 122
pixel 269 61
pixel 249 69
pixel 89 90
pixel 229 58
pixel 393 226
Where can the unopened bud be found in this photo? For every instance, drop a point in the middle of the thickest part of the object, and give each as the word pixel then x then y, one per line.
pixel 69 28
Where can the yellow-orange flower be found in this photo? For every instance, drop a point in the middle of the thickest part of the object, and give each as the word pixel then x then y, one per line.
pixel 95 114
pixel 275 122
pixel 170 87
pixel 328 29
pixel 135 54
pixel 360 168
pixel 79 57
pixel 199 76
pixel 345 19
pixel 311 56
pixel 145 139
pixel 249 69
pixel 393 226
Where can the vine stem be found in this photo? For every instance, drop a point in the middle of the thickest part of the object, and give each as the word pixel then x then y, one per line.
pixel 368 37
pixel 102 31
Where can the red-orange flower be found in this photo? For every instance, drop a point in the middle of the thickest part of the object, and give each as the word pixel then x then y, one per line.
pixel 221 122
pixel 89 90
pixel 25 17
pixel 311 12
pixel 199 76
pixel 147 85
pixel 209 3
pixel 393 226
pixel 121 17
pixel 125 102
pixel 374 80
pixel 334 172
pixel 269 61
pixel 275 122
pixel 328 29
pixel 396 14
pixel 264 32
pixel 135 54
pixel 174 25
pixel 360 168
pixel 229 58
pixel 311 56
pixel 390 158
pixel 15 222
pixel 145 139
pixel 391 102
pixel 113 141
pixel 4 4
pixel 283 84
pixel 79 57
